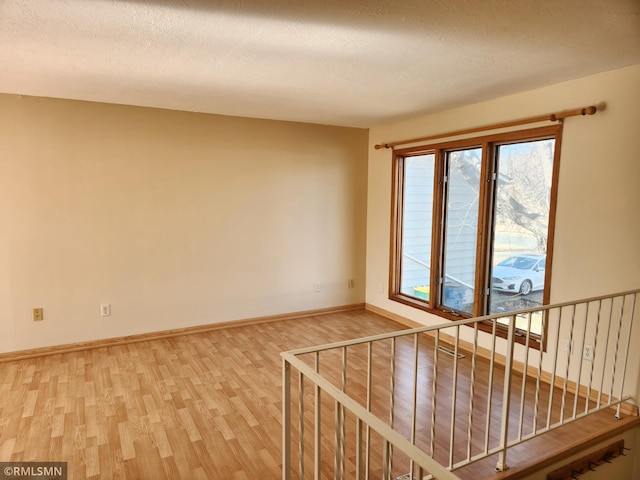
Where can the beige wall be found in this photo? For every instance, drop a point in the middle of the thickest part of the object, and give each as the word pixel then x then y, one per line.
pixel 597 236
pixel 175 219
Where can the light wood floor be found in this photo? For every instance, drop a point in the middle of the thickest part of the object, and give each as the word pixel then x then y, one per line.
pixel 201 406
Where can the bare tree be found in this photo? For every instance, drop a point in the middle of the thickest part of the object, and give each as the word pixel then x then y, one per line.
pixel 522 199
pixel 523 194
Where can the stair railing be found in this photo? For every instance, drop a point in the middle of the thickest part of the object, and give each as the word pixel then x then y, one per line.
pixel 424 402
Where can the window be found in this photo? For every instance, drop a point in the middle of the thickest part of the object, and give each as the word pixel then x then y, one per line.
pixel 473 224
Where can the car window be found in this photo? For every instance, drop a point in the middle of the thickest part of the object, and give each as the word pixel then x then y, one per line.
pixel 523 263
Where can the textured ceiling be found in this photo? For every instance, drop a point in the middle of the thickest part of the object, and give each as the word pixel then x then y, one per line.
pixel 340 62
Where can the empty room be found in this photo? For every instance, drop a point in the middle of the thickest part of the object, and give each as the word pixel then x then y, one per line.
pixel 291 239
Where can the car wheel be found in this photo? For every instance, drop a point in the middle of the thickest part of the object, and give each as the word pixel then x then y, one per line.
pixel 525 287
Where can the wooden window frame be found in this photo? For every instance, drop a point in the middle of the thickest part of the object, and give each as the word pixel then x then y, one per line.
pixel 489 144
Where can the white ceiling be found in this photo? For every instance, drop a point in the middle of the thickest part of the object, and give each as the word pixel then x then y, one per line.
pixel 340 62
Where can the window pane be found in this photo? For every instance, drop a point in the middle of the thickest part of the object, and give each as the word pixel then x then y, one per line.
pixel 521 225
pixel 417 225
pixel 461 228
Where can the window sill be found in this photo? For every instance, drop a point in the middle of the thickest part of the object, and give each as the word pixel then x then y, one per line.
pixel 501 330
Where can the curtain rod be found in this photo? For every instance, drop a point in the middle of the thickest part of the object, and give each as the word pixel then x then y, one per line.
pixel 553 117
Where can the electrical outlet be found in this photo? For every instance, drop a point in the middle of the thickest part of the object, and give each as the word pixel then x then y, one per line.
pixel 380 287
pixel 350 283
pixel 316 287
pixel 587 353
pixel 105 310
pixel 38 314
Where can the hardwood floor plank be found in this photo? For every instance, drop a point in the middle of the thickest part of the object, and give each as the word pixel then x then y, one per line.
pixel 126 441
pixel 92 461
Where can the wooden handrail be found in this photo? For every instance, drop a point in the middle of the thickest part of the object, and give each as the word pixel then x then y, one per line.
pixel 552 117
